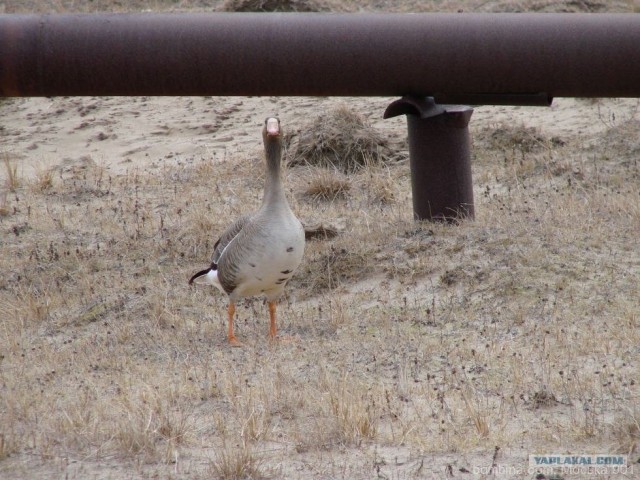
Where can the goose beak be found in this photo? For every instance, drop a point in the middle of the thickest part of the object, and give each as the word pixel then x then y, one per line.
pixel 273 127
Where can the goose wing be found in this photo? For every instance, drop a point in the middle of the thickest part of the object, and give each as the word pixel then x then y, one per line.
pixel 229 234
pixel 210 275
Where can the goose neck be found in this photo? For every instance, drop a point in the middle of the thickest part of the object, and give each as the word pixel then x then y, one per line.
pixel 273 191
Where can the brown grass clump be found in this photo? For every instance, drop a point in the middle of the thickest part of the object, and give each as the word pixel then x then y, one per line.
pixel 378 185
pixel 326 185
pixel 353 409
pixel 58 6
pixel 44 180
pixel 12 182
pixel 272 6
pixel 340 139
pixel 333 267
pixel 5 448
pixel 4 205
pixel 516 137
pixel 526 151
pixel 237 462
pixel 620 144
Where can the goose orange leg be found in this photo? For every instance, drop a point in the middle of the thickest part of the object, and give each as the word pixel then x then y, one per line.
pixel 233 341
pixel 273 330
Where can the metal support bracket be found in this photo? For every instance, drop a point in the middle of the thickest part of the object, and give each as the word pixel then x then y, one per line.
pixel 440 157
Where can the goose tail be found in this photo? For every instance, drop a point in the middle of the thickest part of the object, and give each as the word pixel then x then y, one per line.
pixel 207 276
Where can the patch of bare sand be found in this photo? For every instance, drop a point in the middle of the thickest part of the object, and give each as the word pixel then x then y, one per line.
pixel 123 134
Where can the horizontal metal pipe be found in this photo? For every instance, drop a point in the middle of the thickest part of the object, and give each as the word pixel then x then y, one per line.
pixel 482 56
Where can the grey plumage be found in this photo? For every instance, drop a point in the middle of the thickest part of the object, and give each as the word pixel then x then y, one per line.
pixel 258 253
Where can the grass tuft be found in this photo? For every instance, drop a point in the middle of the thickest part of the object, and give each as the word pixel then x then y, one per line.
pixel 12 182
pixel 353 409
pixel 341 139
pixel 5 210
pixel 43 181
pixel 237 462
pixel 6 447
pixel 326 185
pixel 516 137
pixel 626 434
pixel 272 6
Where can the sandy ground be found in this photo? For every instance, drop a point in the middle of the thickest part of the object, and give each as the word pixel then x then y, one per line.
pixel 151 135
pixel 147 132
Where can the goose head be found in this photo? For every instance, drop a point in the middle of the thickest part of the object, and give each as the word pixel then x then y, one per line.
pixel 272 138
pixel 271 130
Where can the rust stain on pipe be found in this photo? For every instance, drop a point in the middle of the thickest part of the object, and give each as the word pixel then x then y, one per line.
pixel 483 56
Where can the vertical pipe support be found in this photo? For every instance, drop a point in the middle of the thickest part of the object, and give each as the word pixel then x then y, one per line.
pixel 440 157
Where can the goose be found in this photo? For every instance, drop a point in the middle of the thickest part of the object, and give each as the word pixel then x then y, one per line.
pixel 258 253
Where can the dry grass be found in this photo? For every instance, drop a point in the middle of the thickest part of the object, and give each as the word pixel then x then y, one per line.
pixel 419 348
pixel 4 209
pixel 273 6
pixel 57 6
pixel 516 138
pixel 12 182
pixel 237 463
pixel 354 410
pixel 326 185
pixel 434 338
pixel 626 434
pixel 44 180
pixel 340 139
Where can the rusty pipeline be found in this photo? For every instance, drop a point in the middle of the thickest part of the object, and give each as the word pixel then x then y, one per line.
pixel 455 58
